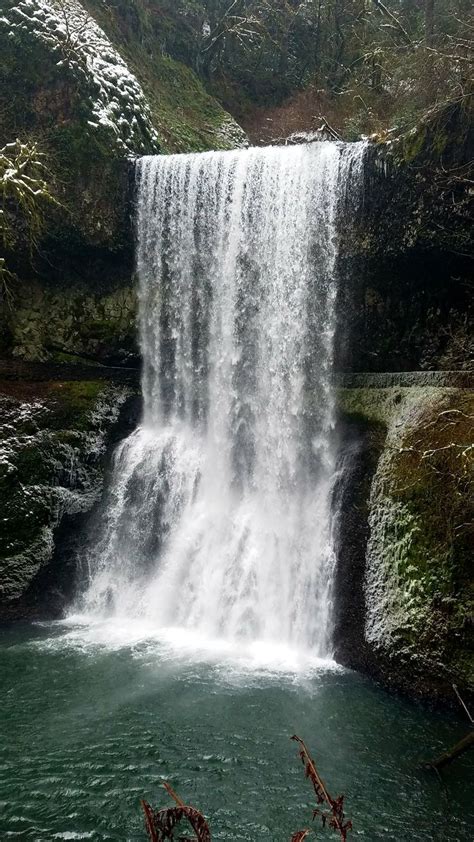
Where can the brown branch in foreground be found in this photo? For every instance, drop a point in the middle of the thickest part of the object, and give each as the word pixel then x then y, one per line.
pixel 335 818
pixel 161 824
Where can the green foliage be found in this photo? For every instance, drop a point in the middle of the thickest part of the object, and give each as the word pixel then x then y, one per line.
pixel 374 64
pixel 77 395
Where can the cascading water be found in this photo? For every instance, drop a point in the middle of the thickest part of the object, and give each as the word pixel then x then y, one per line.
pixel 217 517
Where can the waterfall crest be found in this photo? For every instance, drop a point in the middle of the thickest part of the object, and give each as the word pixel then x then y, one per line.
pixel 217 517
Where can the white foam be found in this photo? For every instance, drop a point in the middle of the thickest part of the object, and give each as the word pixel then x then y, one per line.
pixel 231 661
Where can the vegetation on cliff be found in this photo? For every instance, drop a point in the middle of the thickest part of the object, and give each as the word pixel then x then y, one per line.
pixel 25 196
pixel 360 65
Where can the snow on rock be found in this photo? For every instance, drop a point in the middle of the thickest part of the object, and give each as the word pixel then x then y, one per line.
pixel 116 98
pixel 51 465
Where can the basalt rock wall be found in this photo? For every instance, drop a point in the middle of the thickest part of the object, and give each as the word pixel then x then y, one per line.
pixel 405 292
pixel 404 590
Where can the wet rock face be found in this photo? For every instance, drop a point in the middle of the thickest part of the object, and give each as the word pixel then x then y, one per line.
pixel 54 438
pixel 405 602
pixel 407 311
pixel 54 324
pixel 405 267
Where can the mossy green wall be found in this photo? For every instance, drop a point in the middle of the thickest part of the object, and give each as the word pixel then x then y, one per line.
pixel 418 581
pixel 60 323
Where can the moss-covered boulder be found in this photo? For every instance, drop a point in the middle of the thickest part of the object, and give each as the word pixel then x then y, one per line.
pixel 417 585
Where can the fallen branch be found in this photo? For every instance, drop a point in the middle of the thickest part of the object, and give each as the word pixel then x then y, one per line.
pixel 325 127
pixel 448 756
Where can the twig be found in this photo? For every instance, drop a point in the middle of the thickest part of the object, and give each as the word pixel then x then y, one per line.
pixel 447 757
pixel 461 701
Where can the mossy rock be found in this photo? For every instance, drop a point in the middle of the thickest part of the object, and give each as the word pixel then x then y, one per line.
pixel 161 48
pixel 418 586
pixel 53 438
pixel 64 322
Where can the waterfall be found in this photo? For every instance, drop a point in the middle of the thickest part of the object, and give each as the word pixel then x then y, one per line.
pixel 217 517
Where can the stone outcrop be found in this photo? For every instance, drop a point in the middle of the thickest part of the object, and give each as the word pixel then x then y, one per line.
pixel 405 599
pixel 406 264
pixel 76 323
pixel 55 436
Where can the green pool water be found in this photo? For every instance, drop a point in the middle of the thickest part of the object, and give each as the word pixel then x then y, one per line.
pixel 92 722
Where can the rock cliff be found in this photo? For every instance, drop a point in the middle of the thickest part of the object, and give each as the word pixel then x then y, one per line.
pixel 405 590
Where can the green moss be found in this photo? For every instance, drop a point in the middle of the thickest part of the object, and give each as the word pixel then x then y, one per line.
pixel 78 394
pixel 419 588
pixel 420 555
pixel 73 324
pixel 31 463
pixel 434 480
pixel 71 437
pixel 442 136
pixel 74 401
pixel 371 405
pixel 104 330
pixel 413 143
pixel 73 359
